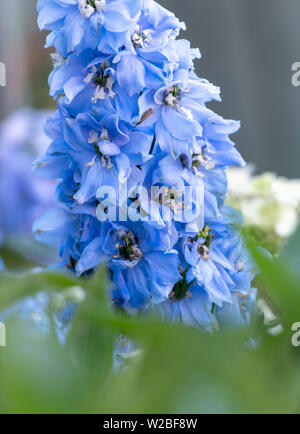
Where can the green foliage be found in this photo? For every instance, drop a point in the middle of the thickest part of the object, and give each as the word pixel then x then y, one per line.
pixel 272 242
pixel 177 370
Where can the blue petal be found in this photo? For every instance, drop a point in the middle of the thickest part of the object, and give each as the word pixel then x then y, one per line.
pixel 131 74
pixel 138 286
pixel 90 183
pixel 74 29
pixel 73 87
pixel 54 227
pixel 117 18
pixel 109 148
pixel 180 126
pixel 91 256
pixel 49 13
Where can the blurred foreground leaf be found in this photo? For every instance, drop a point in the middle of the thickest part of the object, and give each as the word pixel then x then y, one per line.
pixel 291 253
pixel 177 370
pixel 14 288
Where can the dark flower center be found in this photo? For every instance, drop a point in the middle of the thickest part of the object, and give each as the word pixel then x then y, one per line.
pixel 128 246
pixel 101 79
pixel 208 236
pixel 181 288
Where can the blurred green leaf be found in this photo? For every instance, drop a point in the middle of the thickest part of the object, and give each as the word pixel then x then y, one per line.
pixel 176 369
pixel 291 253
pixel 14 288
pixel 37 375
pixel 281 285
pixel 91 345
pixel 220 372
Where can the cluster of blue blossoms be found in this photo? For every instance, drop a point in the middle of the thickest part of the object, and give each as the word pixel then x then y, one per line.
pixel 23 195
pixel 132 113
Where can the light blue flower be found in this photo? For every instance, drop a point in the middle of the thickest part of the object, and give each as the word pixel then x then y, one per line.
pixel 23 195
pixel 88 72
pixel 142 261
pixel 194 310
pixel 214 260
pixel 79 24
pixel 99 153
pixel 240 311
pixel 214 289
pixel 38 314
pixel 141 62
pixel 178 111
pixel 174 193
pixel 21 140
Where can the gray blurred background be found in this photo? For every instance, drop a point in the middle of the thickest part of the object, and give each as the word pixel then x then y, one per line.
pixel 248 48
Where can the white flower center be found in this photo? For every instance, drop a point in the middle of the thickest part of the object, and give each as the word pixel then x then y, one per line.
pixel 171 198
pixel 95 140
pixel 101 5
pixel 88 7
pixel 202 161
pixel 141 38
pixel 85 8
pixel 240 266
pixel 94 137
pixel 172 95
pixel 203 252
pixel 106 162
pixel 103 81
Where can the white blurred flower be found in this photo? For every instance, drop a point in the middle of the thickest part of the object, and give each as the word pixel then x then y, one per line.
pixel 239 181
pixel 267 202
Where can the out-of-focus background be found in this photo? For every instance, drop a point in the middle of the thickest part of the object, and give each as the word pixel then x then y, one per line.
pixel 248 48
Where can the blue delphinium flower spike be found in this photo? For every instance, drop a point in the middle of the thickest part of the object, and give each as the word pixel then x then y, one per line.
pixel 142 163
